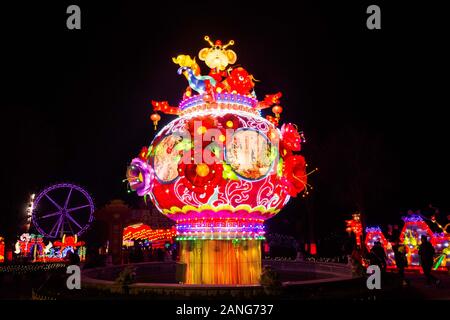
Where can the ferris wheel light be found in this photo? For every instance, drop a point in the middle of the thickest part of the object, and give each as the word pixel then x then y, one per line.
pixel 61 216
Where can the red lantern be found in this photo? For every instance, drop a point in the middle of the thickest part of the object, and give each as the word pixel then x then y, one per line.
pixel 277 110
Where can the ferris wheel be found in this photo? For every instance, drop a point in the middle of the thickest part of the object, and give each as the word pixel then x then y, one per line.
pixel 61 209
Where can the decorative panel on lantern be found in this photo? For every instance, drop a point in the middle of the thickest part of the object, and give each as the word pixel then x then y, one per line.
pixel 374 234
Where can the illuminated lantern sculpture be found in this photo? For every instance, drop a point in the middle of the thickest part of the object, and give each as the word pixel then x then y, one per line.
pixel 374 234
pixel 157 237
pixel 37 246
pixel 22 245
pixel 442 241
pixel 68 243
pixel 354 225
pixel 412 231
pixel 31 245
pixel 217 169
pixel 442 244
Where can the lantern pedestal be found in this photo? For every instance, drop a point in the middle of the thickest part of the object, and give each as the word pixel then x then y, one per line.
pixel 222 261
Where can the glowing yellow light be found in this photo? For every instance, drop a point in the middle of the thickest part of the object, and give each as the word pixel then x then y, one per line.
pixel 221 138
pixel 202 170
pixel 201 130
pixel 229 124
pixel 238 264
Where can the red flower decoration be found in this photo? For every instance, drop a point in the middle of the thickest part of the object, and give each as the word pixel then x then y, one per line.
pixel 229 121
pixel 199 125
pixel 201 177
pixel 291 139
pixel 285 151
pixel 294 174
pixel 197 128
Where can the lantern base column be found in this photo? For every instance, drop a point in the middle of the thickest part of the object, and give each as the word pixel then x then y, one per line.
pixel 221 261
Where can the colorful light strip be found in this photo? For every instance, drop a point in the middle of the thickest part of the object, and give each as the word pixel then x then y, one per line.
pixel 222 262
pixel 219 220
pixel 218 109
pixel 221 98
pixel 186 238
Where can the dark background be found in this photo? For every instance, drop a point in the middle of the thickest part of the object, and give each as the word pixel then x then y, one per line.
pixel 75 104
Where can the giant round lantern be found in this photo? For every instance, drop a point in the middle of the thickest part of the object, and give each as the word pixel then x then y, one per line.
pixel 220 169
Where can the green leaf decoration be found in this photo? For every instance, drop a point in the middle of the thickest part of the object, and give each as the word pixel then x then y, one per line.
pixel 280 167
pixel 273 153
pixel 184 145
pixel 228 172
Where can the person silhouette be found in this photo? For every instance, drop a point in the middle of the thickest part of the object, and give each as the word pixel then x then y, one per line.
pixel 426 254
pixel 400 260
pixel 378 256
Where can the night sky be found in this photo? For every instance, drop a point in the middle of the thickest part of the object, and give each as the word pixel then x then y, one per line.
pixel 76 103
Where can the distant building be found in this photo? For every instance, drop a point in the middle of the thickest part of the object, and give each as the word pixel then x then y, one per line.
pixel 117 215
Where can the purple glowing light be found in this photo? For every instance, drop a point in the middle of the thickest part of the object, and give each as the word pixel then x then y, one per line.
pixel 373 229
pixel 220 98
pixel 140 176
pixel 66 220
pixel 412 218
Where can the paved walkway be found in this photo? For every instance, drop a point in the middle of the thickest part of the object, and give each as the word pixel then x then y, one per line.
pixel 418 288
